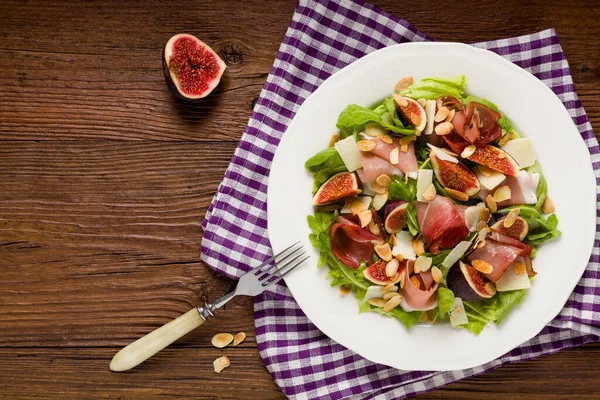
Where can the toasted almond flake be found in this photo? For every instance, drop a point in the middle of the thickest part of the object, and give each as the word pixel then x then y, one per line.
pixel 501 155
pixel 457 195
pixel 520 268
pixel 384 251
pixel 548 206
pixel 221 363
pixel 403 83
pixel 491 203
pixel 418 246
pixel 407 139
pixel 415 119
pixel 377 302
pixel 399 257
pixel 392 303
pixel 334 139
pixel 484 215
pixel 365 145
pixel 395 277
pixel 395 155
pixel 392 239
pixel 449 152
pixel 401 101
pixel 389 295
pixel 511 218
pixel 374 130
pixel 387 139
pixel 481 225
pixel 436 274
pixel 480 244
pixel 444 128
pixel 373 228
pixel 402 278
pixel 379 200
pixel 429 193
pixel 504 139
pixel 482 266
pixel 485 171
pixel 384 180
pixel 468 151
pixel 241 336
pixel 388 287
pixel 450 115
pixel 357 207
pixel 422 264
pixel 422 102
pixel 377 188
pixel 404 148
pixel 392 267
pixel 365 217
pixel 345 290
pixel 221 340
pixel 441 114
pixel 490 288
pixel 483 233
pixel 415 281
pixel 502 193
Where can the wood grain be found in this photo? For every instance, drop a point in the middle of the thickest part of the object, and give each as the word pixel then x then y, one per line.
pixel 106 177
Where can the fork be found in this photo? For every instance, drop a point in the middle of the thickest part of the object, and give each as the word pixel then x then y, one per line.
pixel 251 283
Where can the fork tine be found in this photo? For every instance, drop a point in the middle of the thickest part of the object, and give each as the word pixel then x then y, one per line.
pixel 282 268
pixel 257 269
pixel 269 270
pixel 288 269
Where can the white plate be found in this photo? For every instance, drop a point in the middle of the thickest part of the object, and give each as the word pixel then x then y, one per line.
pixel 534 110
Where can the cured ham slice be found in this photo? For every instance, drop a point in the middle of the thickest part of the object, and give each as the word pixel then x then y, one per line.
pixel 373 166
pixel 500 238
pixel 407 162
pixel 352 244
pixel 422 298
pixel 477 124
pixel 499 255
pixel 441 223
pixel 522 189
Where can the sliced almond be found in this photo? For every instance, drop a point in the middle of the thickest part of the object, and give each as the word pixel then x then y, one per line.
pixel 221 340
pixel 457 195
pixel 450 115
pixel 402 278
pixel 392 303
pixel 384 180
pixel 485 171
pixel 386 139
pixel 418 246
pixel 334 139
pixel 395 155
pixel 511 218
pixel 388 287
pixel 392 267
pixel 404 148
pixel 436 274
pixel 374 228
pixel 399 257
pixel 504 139
pixel 501 155
pixel 389 295
pixel 377 188
pixel 480 244
pixel 490 288
pixel 441 114
pixel 449 152
pixel 377 302
pixel 404 83
pixel 415 281
pixel 491 203
pixel 384 251
pixel 481 225
pixel 379 200
pixel 357 206
pixel 395 277
pixel 365 145
pixel 415 119
pixel 484 215
pixel 241 336
pixel 374 130
pixel 422 264
pixel 444 128
pixel 401 101
pixel 422 102
pixel 482 266
pixel 520 268
pixel 344 290
pixel 365 217
pixel 501 194
pixel 483 233
pixel 429 193
pixel 392 240
pixel 548 206
pixel 221 363
pixel 468 151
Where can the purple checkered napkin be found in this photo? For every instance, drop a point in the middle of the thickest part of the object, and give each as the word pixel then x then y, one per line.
pixel 322 38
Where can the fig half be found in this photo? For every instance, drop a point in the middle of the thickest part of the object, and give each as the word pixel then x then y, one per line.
pixel 468 283
pixel 496 159
pixel 518 230
pixel 336 188
pixel 192 69
pixel 455 175
pixel 395 216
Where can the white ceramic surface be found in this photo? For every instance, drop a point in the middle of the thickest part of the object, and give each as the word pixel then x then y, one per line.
pixel 534 110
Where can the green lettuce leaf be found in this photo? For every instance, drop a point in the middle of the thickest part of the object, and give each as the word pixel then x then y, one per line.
pixel 445 301
pixel 432 88
pixel 542 188
pixel 540 229
pixel 389 117
pixel 408 319
pixel 354 118
pixel 407 191
pixel 323 165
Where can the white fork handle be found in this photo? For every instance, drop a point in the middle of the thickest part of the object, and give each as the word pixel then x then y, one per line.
pixel 147 346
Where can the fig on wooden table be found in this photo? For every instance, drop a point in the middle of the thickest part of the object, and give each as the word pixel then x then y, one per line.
pixel 340 186
pixel 395 216
pixel 495 158
pixel 468 283
pixel 454 175
pixel 410 112
pixel 518 230
pixel 192 69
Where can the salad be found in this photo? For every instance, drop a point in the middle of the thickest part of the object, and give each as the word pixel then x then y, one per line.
pixel 430 207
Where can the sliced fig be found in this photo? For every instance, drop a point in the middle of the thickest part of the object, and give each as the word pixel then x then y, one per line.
pixel 336 188
pixel 468 283
pixel 395 216
pixel 192 69
pixel 411 113
pixel 455 175
pixel 450 102
pixel 518 230
pixel 376 273
pixel 495 158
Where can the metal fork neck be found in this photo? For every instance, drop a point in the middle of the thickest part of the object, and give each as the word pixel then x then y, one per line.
pixel 208 309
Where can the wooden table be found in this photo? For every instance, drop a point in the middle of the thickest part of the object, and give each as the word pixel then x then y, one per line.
pixel 106 177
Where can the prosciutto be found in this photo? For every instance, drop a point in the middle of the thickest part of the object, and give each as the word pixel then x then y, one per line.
pixel 499 255
pixel 422 298
pixel 522 189
pixel 500 238
pixel 441 223
pixel 352 244
pixel 407 162
pixel 373 166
